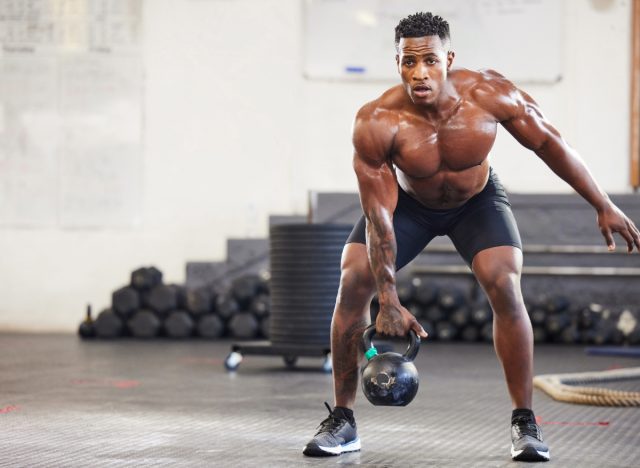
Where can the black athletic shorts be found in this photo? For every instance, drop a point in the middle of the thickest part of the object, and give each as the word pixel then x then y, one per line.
pixel 484 221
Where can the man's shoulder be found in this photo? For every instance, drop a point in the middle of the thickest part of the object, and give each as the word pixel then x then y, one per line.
pixel 489 90
pixel 486 80
pixel 388 103
pixel 376 123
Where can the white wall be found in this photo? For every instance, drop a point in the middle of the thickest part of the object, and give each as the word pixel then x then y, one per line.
pixel 234 133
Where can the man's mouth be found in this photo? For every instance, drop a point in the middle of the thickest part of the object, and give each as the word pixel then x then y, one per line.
pixel 421 90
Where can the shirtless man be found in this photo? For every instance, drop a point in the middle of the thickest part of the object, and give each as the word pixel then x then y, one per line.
pixel 421 162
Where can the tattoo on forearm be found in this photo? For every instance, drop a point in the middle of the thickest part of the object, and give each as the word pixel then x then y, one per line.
pixel 382 250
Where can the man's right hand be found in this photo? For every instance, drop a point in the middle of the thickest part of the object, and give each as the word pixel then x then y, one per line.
pixel 396 320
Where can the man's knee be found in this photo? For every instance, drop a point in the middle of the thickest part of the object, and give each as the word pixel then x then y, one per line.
pixel 498 270
pixel 357 285
pixel 503 281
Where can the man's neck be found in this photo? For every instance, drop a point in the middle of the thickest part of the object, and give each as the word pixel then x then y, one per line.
pixel 444 106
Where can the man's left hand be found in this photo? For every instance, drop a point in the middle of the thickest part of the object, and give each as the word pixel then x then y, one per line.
pixel 611 219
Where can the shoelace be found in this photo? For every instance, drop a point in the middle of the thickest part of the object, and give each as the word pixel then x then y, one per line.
pixel 527 427
pixel 331 423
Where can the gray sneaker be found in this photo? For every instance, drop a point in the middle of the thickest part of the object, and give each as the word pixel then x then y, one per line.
pixel 526 441
pixel 335 436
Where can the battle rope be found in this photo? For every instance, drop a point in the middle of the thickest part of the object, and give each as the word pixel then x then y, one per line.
pixel 568 387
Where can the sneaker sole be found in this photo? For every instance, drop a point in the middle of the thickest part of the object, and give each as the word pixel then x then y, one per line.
pixel 529 454
pixel 313 450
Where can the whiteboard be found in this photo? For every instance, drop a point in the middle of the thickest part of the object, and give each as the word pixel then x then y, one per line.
pixel 70 113
pixel 354 39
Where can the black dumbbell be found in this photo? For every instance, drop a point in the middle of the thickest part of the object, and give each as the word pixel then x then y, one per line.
pixel 425 292
pixel 265 282
pixel 87 328
pixel 606 330
pixel 539 334
pixel 556 304
pixel 470 333
pixel 556 322
pixel 145 278
pixel 199 301
pixel 108 324
pixel 450 297
pixel 415 309
pixel 144 323
pixel 405 290
pixel 260 305
pixel 210 326
pixel 570 335
pixel 245 288
pixel 243 325
pixel 537 315
pixel 178 324
pixel 589 316
pixel 445 331
pixel 264 327
pixel 181 295
pixel 226 306
pixel 125 301
pixel 434 313
pixel 480 313
pixel 460 317
pixel 162 299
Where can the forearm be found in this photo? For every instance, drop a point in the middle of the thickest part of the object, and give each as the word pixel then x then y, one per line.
pixel 381 248
pixel 569 166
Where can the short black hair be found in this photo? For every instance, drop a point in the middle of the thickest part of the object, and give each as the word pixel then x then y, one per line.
pixel 422 24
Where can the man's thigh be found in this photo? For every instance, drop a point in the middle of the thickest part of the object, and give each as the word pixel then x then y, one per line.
pixel 483 226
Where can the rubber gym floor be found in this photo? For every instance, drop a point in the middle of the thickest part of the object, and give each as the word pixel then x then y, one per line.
pixel 69 403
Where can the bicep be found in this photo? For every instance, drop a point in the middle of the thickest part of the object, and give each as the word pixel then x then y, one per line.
pixel 376 183
pixel 528 125
pixel 372 142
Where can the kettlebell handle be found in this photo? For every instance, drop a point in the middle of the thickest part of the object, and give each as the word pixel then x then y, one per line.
pixel 410 353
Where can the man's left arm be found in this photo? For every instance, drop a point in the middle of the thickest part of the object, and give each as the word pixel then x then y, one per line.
pixel 521 116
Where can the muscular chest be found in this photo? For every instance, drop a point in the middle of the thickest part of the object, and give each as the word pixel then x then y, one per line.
pixel 459 142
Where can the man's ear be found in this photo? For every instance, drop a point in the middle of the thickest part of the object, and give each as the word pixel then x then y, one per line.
pixel 398 62
pixel 450 56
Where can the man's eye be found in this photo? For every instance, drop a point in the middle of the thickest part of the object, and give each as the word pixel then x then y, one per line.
pixel 408 62
pixel 431 61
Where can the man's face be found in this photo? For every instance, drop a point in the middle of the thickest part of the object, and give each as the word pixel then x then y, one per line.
pixel 423 63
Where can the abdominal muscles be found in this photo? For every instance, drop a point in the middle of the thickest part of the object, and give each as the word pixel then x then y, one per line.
pixel 445 188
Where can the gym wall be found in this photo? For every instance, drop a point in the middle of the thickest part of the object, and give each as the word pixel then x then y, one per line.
pixel 232 132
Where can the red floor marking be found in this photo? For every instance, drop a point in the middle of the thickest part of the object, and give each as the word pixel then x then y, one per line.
pixel 9 409
pixel 614 367
pixel 107 383
pixel 126 383
pixel 539 420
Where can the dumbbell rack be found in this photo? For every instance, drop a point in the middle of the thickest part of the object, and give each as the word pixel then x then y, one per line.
pixel 289 353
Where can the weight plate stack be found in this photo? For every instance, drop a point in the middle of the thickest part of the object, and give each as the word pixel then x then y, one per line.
pixel 305 274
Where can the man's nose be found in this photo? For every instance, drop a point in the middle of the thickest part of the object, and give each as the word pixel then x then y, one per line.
pixel 421 72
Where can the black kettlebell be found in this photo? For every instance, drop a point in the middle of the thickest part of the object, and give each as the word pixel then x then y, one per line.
pixel 389 379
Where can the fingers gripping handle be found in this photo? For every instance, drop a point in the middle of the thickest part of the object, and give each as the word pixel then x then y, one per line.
pixel 370 350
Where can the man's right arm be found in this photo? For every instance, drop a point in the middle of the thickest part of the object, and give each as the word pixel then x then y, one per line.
pixel 373 140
